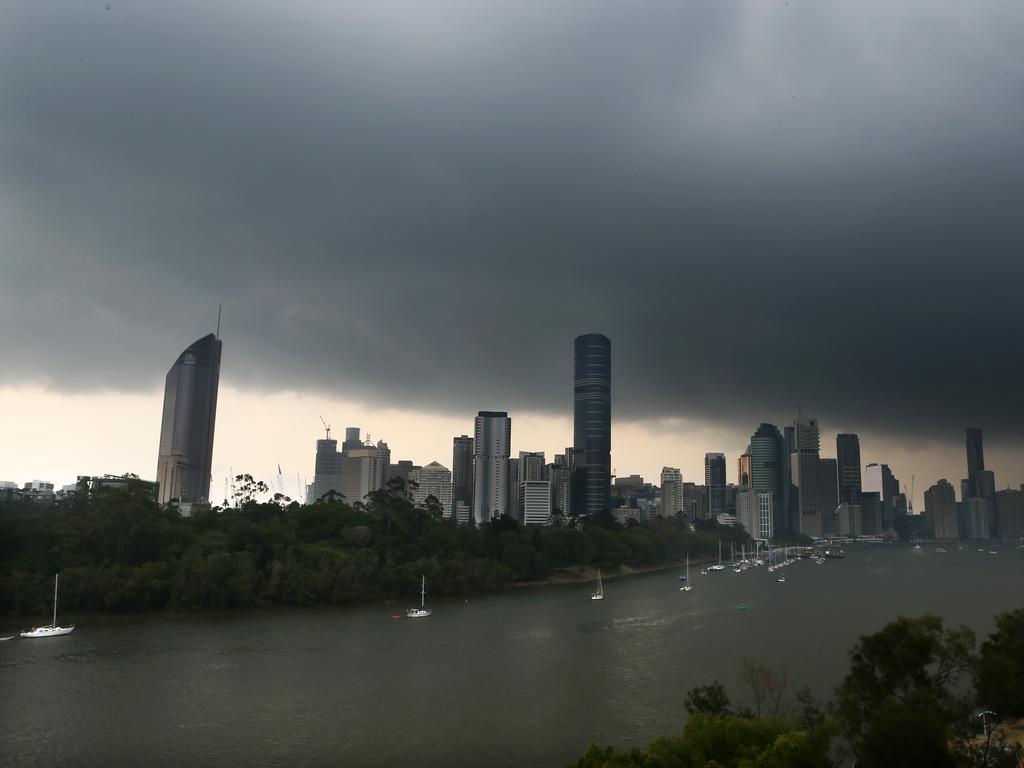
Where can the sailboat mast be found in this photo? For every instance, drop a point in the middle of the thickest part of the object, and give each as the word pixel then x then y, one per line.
pixel 56 576
pixel 423 591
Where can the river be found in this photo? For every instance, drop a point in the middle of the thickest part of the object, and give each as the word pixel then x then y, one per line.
pixel 529 677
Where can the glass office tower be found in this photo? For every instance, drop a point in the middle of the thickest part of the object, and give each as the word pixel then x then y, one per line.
pixel 592 424
pixel 186 428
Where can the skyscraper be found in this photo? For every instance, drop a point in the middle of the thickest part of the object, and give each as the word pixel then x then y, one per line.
pixel 981 483
pixel 804 464
pixel 185 458
pixel 714 479
pixel 744 470
pixel 671 491
pixel 435 480
pixel 530 467
pixel 878 478
pixel 848 465
pixel 975 455
pixel 561 485
pixel 352 439
pixel 491 444
pixel 790 512
pixel 462 470
pixel 383 464
pixel 326 469
pixel 940 511
pixel 754 513
pixel 512 502
pixel 977 512
pixel 766 471
pixel 985 488
pixel 828 495
pixel 535 496
pixel 592 424
pixel 361 472
pixel 871 513
pixel 1010 512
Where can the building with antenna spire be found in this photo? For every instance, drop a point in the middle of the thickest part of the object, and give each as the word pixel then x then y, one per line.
pixel 185 458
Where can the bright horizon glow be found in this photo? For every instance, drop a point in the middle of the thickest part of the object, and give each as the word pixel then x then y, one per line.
pixel 60 436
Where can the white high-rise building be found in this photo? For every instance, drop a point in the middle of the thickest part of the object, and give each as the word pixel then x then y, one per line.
pixel 492 441
pixel 432 480
pixel 535 497
pixel 671 491
pixel 754 511
pixel 530 466
pixel 360 473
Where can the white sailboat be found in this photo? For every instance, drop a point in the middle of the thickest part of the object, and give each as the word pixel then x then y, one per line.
pixel 599 595
pixel 53 630
pixel 718 566
pixel 687 587
pixel 422 611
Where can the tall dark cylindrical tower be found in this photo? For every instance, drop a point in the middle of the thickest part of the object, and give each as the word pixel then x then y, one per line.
pixel 592 424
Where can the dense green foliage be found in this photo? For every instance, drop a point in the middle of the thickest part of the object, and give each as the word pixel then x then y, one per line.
pixel 906 702
pixel 117 550
pixel 901 697
pixel 725 741
pixel 999 673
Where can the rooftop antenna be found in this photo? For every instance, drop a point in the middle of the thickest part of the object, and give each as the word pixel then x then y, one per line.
pixel 219 308
pixel 326 427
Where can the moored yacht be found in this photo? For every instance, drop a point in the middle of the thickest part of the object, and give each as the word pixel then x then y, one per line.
pixel 421 612
pixel 53 630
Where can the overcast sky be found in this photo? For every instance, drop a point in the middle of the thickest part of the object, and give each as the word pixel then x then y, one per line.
pixel 408 210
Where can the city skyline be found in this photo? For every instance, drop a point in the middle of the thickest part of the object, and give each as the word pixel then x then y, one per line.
pixel 438 266
pixel 421 438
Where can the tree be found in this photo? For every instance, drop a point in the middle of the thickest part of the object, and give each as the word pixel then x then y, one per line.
pixel 723 742
pixel 708 700
pixel 810 712
pixel 246 490
pixel 999 673
pixel 767 685
pixel 899 704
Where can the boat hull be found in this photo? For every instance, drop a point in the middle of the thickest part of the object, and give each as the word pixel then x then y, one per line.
pixel 47 632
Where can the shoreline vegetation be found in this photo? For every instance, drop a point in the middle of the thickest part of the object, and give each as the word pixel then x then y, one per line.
pixel 917 695
pixel 583 574
pixel 117 550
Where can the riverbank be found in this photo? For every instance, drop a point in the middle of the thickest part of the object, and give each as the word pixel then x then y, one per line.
pixel 584 573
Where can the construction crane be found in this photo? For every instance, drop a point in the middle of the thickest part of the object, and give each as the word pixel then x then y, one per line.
pixel 326 427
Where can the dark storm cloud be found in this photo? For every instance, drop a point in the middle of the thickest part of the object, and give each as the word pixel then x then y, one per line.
pixel 420 204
